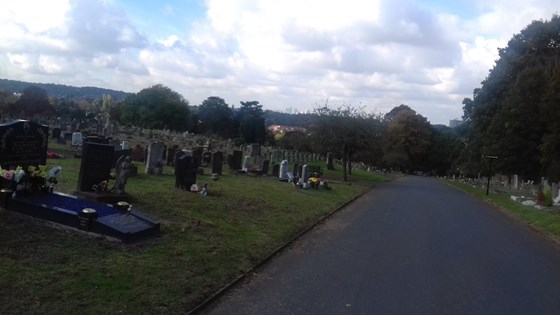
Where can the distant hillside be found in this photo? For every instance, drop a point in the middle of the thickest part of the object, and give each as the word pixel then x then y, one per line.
pixel 63 91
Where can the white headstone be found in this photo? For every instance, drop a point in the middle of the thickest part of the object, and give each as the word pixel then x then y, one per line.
pixel 283 173
pixel 77 139
pixel 125 145
pixel 515 181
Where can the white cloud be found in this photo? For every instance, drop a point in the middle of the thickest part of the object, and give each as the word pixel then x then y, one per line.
pixel 288 53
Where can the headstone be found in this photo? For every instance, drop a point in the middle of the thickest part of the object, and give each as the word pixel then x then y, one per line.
pixel 515 181
pixel 185 170
pixel 295 170
pixel 97 160
pixel 206 158
pixel 265 166
pixel 137 153
pixel 248 162
pixel 217 163
pixel 275 170
pixel 154 161
pixel 255 149
pixel 283 174
pixel 23 143
pixel 197 156
pixel 171 155
pixel 125 145
pixel 56 133
pixel 237 160
pixel 77 139
pixel 330 162
pixel 304 174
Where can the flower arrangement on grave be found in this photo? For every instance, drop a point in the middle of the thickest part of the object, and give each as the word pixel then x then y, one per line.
pixel 102 186
pixel 314 182
pixel 40 178
pixel 12 178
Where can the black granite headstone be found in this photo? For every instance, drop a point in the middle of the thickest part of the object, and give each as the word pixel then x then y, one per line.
pixel 295 170
pixel 171 155
pixel 265 165
pixel 217 163
pixel 56 133
pixel 276 170
pixel 237 160
pixel 197 156
pixel 185 170
pixel 97 160
pixel 23 143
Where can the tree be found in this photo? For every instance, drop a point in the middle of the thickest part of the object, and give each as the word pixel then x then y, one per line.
pixel 251 123
pixel 509 115
pixel 296 140
pixel 69 110
pixel 344 132
pixel 157 107
pixel 408 140
pixel 34 101
pixel 216 117
pixel 7 102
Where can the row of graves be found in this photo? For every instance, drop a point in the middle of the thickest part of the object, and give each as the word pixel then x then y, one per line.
pixel 26 185
pixel 276 163
pixel 97 208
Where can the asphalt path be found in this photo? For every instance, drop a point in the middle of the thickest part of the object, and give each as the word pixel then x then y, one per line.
pixel 411 246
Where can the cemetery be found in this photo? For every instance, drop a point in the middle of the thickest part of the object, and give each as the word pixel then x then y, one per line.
pixel 124 214
pixel 110 217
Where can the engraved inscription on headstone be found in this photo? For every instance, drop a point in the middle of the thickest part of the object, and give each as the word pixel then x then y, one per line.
pixel 23 143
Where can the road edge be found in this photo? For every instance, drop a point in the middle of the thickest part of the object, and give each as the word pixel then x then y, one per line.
pixel 200 307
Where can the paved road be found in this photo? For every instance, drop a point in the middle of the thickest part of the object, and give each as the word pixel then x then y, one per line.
pixel 412 246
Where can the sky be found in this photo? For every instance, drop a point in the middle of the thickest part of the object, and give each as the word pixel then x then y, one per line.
pixel 290 55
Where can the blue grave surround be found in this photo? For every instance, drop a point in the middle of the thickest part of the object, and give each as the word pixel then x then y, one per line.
pixel 64 209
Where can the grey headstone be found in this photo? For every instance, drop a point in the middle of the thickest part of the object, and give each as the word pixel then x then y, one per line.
pixel 217 163
pixel 77 139
pixel 154 159
pixel 283 174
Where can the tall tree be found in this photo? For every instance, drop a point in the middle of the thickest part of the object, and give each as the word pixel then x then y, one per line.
pixel 408 140
pixel 216 117
pixel 251 122
pixel 157 107
pixel 34 101
pixel 509 114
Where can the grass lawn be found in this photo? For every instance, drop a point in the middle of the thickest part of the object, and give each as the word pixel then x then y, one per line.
pixel 546 221
pixel 205 243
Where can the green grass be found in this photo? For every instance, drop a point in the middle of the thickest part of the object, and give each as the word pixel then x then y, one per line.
pixel 205 243
pixel 543 220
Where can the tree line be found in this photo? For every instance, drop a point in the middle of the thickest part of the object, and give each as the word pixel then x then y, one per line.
pixel 515 114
